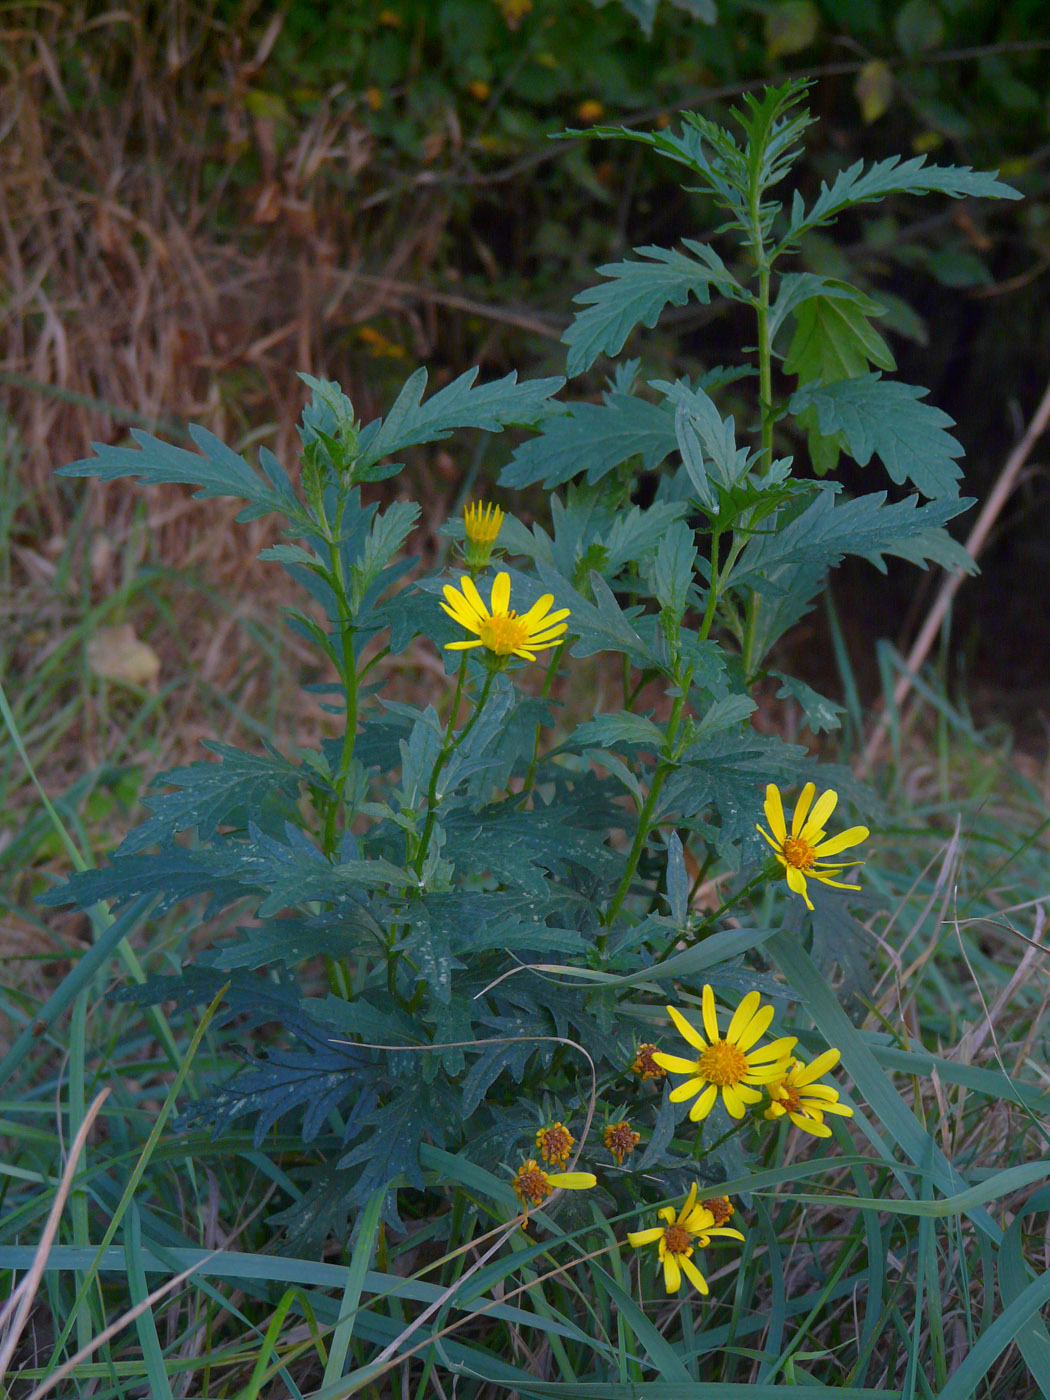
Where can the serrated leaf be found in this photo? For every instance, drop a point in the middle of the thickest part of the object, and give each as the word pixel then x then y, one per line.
pixel 677 880
pixel 624 728
pixel 393 1133
pixel 217 470
pixel 671 575
pixel 490 407
pixel 593 438
pixel 636 294
pixel 860 185
pixel 601 625
pixel 821 713
pixel 390 529
pixel 833 339
pixel 717 435
pixel 211 793
pixel 883 417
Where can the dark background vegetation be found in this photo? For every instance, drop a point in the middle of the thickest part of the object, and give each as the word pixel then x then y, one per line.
pixel 199 198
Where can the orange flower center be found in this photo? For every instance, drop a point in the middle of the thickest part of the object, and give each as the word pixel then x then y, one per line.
pixel 531 1183
pixel 798 853
pixel 555 1143
pixel 790 1099
pixel 503 633
pixel 621 1140
pixel 677 1239
pixel 645 1065
pixel 722 1063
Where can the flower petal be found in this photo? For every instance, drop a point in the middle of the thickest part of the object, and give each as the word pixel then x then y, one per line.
pixel 707 1003
pixel 672 1273
pixel 802 806
pixel 674 1063
pixel 742 1017
pixel 805 1074
pixel 686 1090
pixel 774 810
pixel 838 884
pixel 637 1238
pixel 775 1050
pixel 573 1181
pixel 797 884
pixel 704 1104
pixel 694 1275
pixel 818 817
pixel 735 1105
pixel 686 1030
pixel 472 596
pixel 463 646
pixel 756 1028
pixel 808 1125
pixel 765 833
pixel 500 592
pixel 853 836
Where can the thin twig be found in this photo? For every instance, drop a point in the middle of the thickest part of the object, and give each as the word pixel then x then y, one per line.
pixel 990 512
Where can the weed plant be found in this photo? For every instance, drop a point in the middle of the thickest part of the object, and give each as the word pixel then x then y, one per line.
pixel 582 976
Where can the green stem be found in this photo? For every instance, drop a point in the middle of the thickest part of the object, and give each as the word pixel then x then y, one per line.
pixel 347 674
pixel 712 590
pixel 452 742
pixel 673 947
pixel 641 835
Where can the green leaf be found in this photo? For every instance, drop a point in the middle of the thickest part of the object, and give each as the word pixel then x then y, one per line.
pixel 241 785
pixel 636 295
pixel 490 407
pixel 858 185
pixel 602 625
pixel 217 470
pixel 882 416
pixel 389 531
pixel 833 339
pixel 671 577
pixel 918 26
pixel 821 714
pixel 593 438
pixel 624 728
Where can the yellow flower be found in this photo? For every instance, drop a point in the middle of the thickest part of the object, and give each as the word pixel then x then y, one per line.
pixel 479 90
pixel 555 1143
pixel 721 1207
pixel 645 1065
pixel 531 1183
pixel 497 628
pixel 374 97
pixel 481 525
pixel 678 1237
pixel 804 1101
pixel 799 853
pixel 727 1064
pixel 590 111
pixel 621 1140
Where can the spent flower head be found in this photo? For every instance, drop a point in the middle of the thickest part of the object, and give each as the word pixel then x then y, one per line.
pixel 533 1185
pixel 799 1097
pixel 678 1237
pixel 621 1140
pixel 721 1207
pixel 555 1143
pixel 497 627
pixel 800 851
pixel 645 1066
pixel 729 1065
pixel 481 527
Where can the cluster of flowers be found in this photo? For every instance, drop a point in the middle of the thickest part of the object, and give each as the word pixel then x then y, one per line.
pixel 735 1065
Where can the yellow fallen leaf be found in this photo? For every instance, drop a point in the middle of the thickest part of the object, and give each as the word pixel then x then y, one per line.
pixel 118 655
pixel 874 89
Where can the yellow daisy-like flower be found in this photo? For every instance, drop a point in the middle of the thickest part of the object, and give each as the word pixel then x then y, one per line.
pixel 555 1143
pixel 721 1207
pixel 800 852
pixel 497 627
pixel 481 525
pixel 693 1227
pixel 531 1183
pixel 804 1101
pixel 727 1064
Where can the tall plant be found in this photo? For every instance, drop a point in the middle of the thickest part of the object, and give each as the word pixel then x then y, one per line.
pixel 504 901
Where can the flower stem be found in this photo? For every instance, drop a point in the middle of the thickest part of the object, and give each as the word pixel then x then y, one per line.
pixel 453 739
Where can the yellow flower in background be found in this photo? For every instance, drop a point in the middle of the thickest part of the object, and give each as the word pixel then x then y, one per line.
pixel 590 111
pixel 481 526
pixel 728 1065
pixel 532 1184
pixel 496 627
pixel 479 90
pixel 693 1227
pixel 801 851
pixel 555 1143
pixel 621 1140
pixel 804 1101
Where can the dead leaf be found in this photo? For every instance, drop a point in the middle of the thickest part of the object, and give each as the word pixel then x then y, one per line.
pixel 118 655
